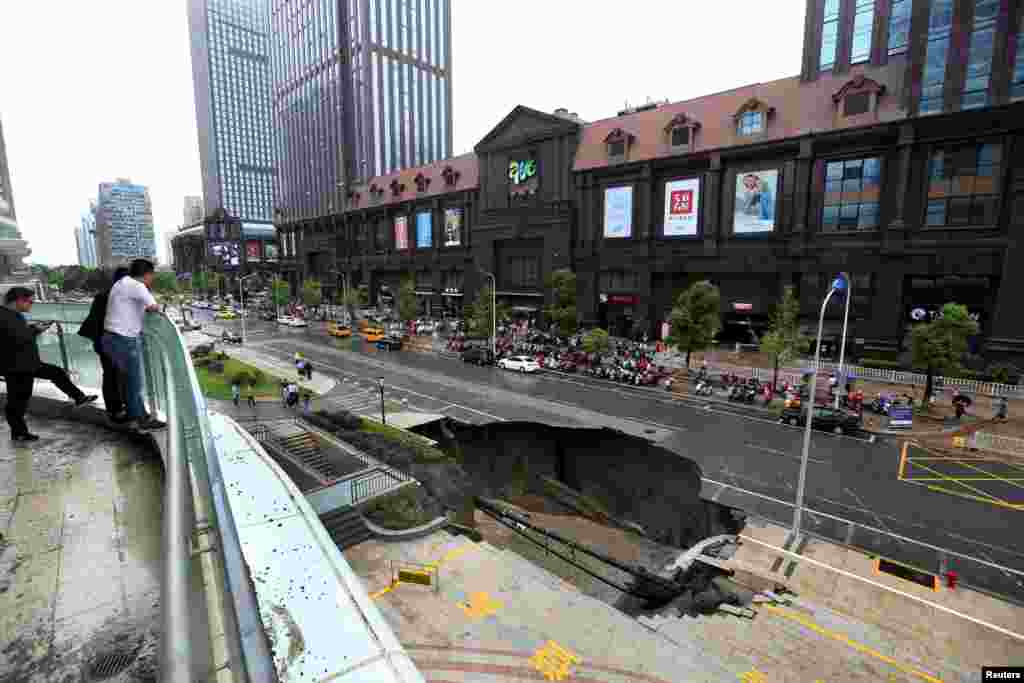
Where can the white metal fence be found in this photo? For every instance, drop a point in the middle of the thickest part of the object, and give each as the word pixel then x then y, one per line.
pixel 794 375
pixel 1007 445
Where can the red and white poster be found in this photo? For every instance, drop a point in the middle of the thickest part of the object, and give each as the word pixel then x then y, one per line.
pixel 252 250
pixel 682 207
pixel 401 233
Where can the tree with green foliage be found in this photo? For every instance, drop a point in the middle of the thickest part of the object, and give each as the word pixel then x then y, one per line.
pixel 165 283
pixel 280 292
pixel 56 278
pixel 595 341
pixel 479 318
pixel 408 307
pixel 561 312
pixel 216 280
pixel 200 283
pixel 938 345
pixel 784 341
pixel 696 318
pixel 312 292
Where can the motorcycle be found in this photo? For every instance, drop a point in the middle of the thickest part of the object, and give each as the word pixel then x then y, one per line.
pixel 703 388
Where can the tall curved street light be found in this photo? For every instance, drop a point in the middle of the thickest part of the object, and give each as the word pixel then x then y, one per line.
pixel 839 285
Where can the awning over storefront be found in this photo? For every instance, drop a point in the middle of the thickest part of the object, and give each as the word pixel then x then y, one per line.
pixel 451 294
pixel 423 292
pixel 525 309
pixel 538 295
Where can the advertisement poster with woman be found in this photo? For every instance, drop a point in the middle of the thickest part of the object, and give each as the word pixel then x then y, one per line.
pixel 401 233
pixel 755 202
pixel 452 227
pixel 424 230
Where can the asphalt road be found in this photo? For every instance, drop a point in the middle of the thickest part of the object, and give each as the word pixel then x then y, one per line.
pixel 749 461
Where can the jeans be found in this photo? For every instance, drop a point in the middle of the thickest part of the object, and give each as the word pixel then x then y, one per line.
pixel 112 385
pixel 126 354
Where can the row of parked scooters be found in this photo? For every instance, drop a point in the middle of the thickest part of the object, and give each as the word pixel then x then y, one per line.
pixel 647 377
pixel 738 389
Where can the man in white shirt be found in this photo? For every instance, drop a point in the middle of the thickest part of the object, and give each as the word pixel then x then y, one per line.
pixel 129 301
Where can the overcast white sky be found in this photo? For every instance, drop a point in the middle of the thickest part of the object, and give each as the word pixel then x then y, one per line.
pixel 93 91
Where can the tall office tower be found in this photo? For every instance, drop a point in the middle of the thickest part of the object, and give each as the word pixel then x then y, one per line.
pixel 230 74
pixel 168 259
pixel 124 223
pixel 192 211
pixel 85 238
pixel 360 88
pixel 12 248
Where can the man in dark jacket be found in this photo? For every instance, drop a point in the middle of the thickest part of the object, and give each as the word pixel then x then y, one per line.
pixel 20 363
pixel 92 329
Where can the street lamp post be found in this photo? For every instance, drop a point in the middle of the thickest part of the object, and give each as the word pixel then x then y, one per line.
pixel 241 298
pixel 494 314
pixel 842 344
pixel 380 385
pixel 839 284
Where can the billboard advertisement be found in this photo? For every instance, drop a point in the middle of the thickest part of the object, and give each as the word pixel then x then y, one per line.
pixel 424 230
pixel 754 211
pixel 225 254
pixel 682 206
pixel 401 233
pixel 452 227
pixel 252 250
pixel 618 212
pixel 269 251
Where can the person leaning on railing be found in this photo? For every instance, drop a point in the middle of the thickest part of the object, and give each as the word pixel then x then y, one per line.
pixel 20 363
pixel 92 329
pixel 130 300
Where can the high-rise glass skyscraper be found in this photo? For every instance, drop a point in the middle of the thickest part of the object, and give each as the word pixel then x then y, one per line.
pixel 230 73
pixel 85 238
pixel 359 88
pixel 124 223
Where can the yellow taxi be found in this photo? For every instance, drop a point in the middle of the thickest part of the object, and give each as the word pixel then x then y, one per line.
pixel 336 329
pixel 226 315
pixel 373 334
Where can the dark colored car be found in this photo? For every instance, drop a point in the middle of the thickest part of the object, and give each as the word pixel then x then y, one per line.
pixel 825 418
pixel 268 315
pixel 478 355
pixel 390 343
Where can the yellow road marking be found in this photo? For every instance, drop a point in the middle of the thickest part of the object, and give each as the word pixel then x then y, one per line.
pixel 961 494
pixel 753 676
pixel 428 568
pixel 554 661
pixel 480 605
pixel 903 459
pixel 984 494
pixel 994 476
pixel 958 479
pixel 859 647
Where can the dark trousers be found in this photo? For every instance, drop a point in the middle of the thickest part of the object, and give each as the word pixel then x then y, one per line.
pixel 113 396
pixel 19 392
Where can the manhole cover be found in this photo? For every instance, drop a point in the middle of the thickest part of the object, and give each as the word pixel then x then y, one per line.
pixel 109 664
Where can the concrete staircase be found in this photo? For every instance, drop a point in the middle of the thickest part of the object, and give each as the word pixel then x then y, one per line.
pixel 305 448
pixel 346 527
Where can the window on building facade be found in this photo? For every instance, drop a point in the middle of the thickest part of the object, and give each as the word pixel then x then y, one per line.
pixel 899 26
pixel 857 103
pixel 940 25
pixel 963 185
pixel 863 25
pixel 522 271
pixel 979 58
pixel 829 35
pixel 750 123
pixel 852 188
pixel 1017 87
pixel 619 281
pixel 681 136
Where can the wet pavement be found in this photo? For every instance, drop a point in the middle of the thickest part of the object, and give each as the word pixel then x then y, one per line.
pixel 80 518
pixel 748 461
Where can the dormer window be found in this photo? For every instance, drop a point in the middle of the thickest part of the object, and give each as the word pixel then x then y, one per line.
pixel 397 188
pixel 422 182
pixel 450 175
pixel 859 96
pixel 750 123
pixel 617 144
pixel 752 117
pixel 376 192
pixel 681 130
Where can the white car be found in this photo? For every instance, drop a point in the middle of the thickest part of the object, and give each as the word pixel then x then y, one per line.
pixel 298 322
pixel 520 363
pixel 285 320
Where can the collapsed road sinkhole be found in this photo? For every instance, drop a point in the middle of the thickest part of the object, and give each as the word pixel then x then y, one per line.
pixel 618 480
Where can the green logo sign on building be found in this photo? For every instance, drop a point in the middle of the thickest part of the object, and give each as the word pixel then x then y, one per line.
pixel 522 176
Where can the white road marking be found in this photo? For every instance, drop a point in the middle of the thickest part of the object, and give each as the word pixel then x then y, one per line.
pixel 784 454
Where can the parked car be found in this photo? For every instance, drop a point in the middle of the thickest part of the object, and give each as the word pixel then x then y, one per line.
pixel 479 355
pixel 390 343
pixel 226 315
pixel 269 316
pixel 336 329
pixel 520 363
pixel 826 419
pixel 299 322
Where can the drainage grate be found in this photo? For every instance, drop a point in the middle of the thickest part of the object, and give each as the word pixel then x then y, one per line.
pixel 108 665
pixel 908 574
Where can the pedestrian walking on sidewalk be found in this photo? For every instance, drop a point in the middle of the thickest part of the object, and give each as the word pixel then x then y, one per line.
pixel 236 392
pixel 252 400
pixel 1002 406
pixel 306 400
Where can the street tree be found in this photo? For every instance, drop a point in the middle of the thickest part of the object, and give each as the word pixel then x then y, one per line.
pixel 165 283
pixel 280 292
pixel 407 304
pixel 354 297
pixel 200 283
pixel 312 293
pixel 214 282
pixel 784 341
pixel 562 310
pixel 938 345
pixel 696 318
pixel 595 341
pixel 479 318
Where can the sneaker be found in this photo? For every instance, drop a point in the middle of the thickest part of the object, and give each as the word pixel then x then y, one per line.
pixel 150 425
pixel 24 437
pixel 85 400
pixel 120 417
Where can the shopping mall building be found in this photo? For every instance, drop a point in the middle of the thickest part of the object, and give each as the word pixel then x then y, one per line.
pixel 887 158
